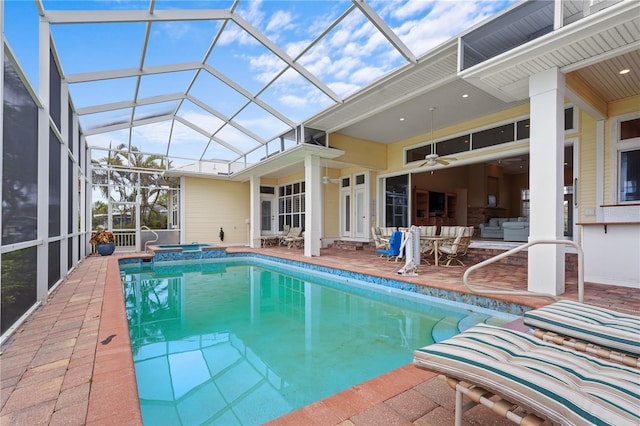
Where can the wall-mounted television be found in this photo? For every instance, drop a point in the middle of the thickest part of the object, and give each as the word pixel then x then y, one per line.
pixel 436 202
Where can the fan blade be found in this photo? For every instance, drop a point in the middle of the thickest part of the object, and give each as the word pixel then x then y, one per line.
pixel 423 164
pixel 449 158
pixel 442 161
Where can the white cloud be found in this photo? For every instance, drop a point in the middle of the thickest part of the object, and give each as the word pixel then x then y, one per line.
pixel 281 20
pixel 404 10
pixel 233 34
pixel 293 101
pixel 252 12
pixel 446 20
pixel 366 75
pixel 343 88
pixel 175 30
pixel 264 67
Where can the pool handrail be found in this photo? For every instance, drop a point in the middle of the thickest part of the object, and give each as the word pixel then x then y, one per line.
pixel 146 243
pixel 465 277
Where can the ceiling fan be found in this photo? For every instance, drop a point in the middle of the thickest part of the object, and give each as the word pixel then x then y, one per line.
pixel 433 158
pixel 326 179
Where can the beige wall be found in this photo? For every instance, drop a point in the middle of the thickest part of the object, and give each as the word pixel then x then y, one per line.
pixel 211 204
pixel 587 137
pixel 371 155
pixel 331 209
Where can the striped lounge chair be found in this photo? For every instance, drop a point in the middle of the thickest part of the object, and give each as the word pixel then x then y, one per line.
pixel 548 381
pixel 599 331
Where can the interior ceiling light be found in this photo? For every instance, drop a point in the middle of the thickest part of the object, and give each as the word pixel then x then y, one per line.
pixel 466 95
pixel 401 118
pixel 624 71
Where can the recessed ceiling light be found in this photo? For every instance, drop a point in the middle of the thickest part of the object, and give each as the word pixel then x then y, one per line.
pixel 401 118
pixel 624 71
pixel 466 95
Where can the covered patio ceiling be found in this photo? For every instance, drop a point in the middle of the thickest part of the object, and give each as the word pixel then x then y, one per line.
pixel 220 86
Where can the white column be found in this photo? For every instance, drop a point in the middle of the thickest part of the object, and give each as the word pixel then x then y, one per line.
pixel 65 148
pixel 183 212
pixel 313 206
pixel 254 212
pixel 43 163
pixel 546 181
pixel 599 211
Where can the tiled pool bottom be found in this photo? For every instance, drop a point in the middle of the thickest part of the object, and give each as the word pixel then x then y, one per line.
pixel 444 294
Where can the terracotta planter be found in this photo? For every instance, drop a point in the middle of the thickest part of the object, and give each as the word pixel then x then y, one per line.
pixel 105 249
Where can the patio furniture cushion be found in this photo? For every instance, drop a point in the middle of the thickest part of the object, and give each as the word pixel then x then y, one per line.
pixel 380 242
pixel 394 246
pixel 516 230
pixel 592 324
pixel 558 384
pixel 493 229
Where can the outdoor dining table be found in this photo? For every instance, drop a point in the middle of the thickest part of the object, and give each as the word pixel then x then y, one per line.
pixel 435 239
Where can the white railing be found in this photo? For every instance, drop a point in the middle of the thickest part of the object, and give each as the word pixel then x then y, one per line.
pixel 465 277
pixel 146 243
pixel 125 238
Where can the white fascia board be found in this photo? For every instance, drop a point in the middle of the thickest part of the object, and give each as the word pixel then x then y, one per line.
pixel 285 159
pixel 104 16
pixel 446 49
pixel 591 25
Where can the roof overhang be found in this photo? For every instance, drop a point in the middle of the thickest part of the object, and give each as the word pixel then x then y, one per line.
pixel 280 165
pixel 569 48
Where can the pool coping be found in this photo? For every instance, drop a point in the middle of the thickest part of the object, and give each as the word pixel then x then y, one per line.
pixel 114 393
pixel 461 296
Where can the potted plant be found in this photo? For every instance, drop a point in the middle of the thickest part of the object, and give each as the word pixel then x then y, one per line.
pixel 104 241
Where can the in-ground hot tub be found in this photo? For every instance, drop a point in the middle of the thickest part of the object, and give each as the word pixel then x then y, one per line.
pixel 193 251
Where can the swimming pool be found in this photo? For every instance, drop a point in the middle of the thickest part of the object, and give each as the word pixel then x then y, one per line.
pixel 243 342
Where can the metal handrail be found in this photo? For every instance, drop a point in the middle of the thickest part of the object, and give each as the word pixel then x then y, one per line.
pixel 146 243
pixel 465 277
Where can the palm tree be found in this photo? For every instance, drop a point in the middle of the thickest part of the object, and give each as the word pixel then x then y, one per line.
pixel 129 174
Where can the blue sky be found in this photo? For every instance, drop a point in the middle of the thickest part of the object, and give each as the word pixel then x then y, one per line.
pixel 346 59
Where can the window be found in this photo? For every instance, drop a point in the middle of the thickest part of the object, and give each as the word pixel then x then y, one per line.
pixel 291 206
pixel 396 201
pixel 501 134
pixel 525 205
pixel 628 160
pixel 494 136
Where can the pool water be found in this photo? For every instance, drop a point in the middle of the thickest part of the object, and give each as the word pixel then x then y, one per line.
pixel 244 343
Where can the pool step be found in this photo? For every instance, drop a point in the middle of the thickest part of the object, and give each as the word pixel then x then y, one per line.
pixel 446 327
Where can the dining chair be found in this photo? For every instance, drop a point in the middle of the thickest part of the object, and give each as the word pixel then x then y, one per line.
pixel 455 248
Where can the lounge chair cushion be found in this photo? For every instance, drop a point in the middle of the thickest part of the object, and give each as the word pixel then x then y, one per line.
pixel 558 384
pixel 600 326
